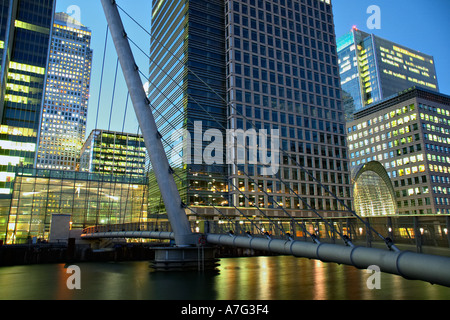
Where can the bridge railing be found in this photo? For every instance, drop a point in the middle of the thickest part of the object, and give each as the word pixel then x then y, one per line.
pixel 408 231
pixel 137 226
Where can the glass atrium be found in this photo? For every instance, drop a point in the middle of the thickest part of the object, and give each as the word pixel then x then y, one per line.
pixel 373 191
pixel 91 199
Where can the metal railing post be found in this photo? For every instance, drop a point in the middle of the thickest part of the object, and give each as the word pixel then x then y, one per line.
pixel 418 235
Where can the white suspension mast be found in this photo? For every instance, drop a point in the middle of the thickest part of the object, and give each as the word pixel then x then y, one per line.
pixel 152 138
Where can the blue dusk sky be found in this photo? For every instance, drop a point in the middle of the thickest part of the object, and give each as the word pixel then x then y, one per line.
pixel 418 24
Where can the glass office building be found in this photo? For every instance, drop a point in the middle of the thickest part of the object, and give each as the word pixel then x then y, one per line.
pixel 373 68
pixel 4 13
pixel 89 198
pixel 25 31
pixel 63 120
pixel 115 153
pixel 187 44
pixel 409 135
pixel 264 65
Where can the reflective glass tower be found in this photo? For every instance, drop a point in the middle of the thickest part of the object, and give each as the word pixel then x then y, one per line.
pixel 25 32
pixel 25 28
pixel 188 74
pixel 263 65
pixel 373 69
pixel 63 122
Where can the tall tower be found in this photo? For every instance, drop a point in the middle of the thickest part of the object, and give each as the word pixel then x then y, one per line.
pixel 63 121
pixel 373 69
pixel 25 37
pixel 196 47
pixel 264 65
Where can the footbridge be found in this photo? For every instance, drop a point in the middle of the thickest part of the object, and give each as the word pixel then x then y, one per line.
pixel 390 259
pixel 410 265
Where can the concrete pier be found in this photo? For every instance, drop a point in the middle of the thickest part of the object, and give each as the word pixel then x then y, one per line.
pixel 189 258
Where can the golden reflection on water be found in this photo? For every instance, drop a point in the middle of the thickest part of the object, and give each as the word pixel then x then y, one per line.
pixel 254 278
pixel 290 278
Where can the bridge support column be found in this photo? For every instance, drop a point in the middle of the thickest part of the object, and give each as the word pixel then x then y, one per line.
pixel 368 234
pixel 198 258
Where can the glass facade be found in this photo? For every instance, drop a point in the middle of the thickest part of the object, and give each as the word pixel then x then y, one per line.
pixel 115 153
pixel 283 75
pixel 190 92
pixel 409 135
pixel 400 68
pixel 373 191
pixel 4 13
pixel 90 199
pixel 279 63
pixel 63 120
pixel 373 69
pixel 23 73
pixel 349 70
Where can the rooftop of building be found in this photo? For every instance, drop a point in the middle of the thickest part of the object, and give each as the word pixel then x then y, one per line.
pixel 105 131
pixel 413 92
pixel 64 18
pixel 78 175
pixel 345 40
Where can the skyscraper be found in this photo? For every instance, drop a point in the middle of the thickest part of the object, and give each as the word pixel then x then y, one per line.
pixel 63 122
pixel 25 36
pixel 373 69
pixel 263 65
pixel 195 47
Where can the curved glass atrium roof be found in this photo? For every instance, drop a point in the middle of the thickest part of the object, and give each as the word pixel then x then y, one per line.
pixel 373 191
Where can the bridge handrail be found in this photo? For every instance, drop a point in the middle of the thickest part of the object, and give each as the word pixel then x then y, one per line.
pixel 414 266
pixel 134 226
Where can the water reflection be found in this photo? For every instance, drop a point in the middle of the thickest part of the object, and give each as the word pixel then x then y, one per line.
pixel 260 278
pixel 288 278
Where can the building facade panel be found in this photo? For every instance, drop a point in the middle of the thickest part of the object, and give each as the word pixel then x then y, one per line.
pixel 188 86
pixel 282 75
pixel 90 199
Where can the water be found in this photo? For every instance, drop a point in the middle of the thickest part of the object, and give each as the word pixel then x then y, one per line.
pixel 255 278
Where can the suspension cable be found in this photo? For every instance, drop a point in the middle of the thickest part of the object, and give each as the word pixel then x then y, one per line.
pixel 258 208
pixel 101 75
pixel 304 201
pixel 251 122
pixel 113 95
